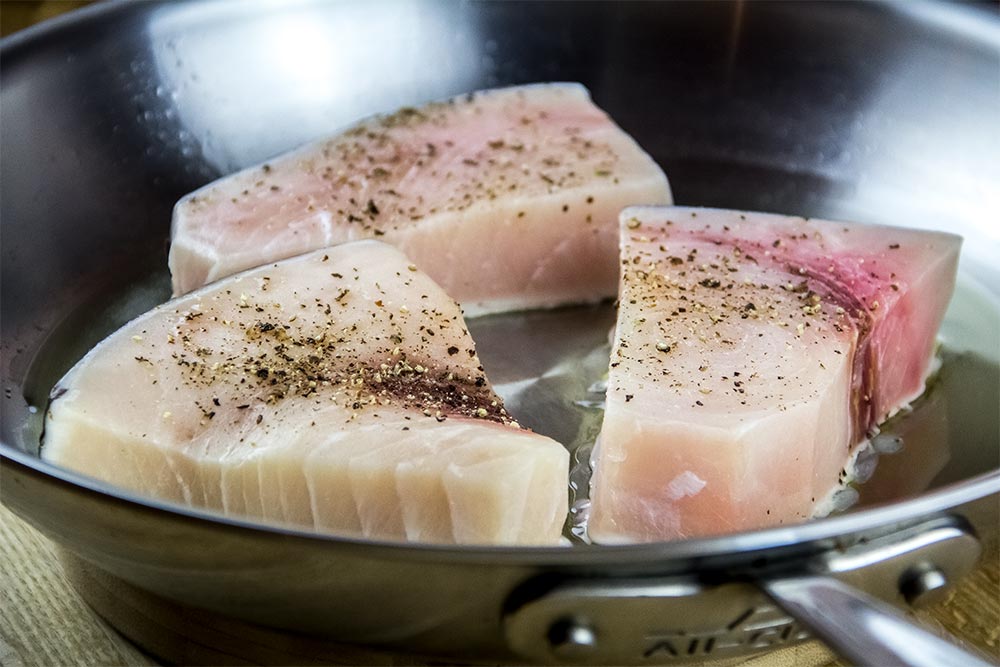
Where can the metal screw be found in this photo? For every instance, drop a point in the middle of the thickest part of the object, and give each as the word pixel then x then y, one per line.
pixel 924 585
pixel 571 638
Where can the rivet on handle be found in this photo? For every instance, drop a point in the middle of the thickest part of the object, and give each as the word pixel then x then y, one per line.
pixel 571 638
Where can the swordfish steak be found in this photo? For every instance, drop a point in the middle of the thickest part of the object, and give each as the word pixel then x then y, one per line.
pixel 507 198
pixel 338 391
pixel 753 354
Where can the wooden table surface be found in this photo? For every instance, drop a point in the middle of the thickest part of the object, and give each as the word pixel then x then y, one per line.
pixel 44 621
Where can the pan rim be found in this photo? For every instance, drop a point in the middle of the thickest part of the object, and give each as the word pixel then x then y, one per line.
pixel 817 530
pixel 26 38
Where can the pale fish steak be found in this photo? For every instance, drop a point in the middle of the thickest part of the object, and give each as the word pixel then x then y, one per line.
pixel 337 391
pixel 753 354
pixel 507 198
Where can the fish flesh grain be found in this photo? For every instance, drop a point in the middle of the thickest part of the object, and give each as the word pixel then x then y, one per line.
pixel 507 198
pixel 753 354
pixel 338 391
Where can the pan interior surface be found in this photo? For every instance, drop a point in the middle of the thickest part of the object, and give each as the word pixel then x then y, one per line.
pixel 192 91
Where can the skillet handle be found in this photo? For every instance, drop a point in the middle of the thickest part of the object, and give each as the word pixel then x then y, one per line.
pixel 861 628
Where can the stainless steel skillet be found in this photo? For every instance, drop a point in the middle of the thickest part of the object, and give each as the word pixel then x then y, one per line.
pixel 883 113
